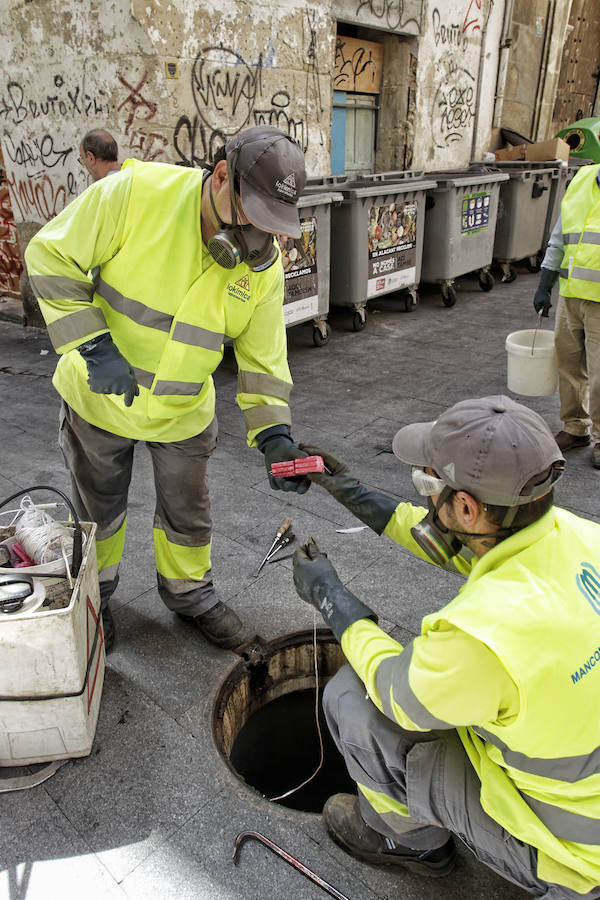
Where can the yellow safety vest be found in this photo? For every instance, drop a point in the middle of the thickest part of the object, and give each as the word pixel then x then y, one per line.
pixel 127 256
pixel 537 607
pixel 580 214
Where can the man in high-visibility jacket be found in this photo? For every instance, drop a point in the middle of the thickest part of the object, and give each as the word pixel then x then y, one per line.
pixel 140 280
pixel 486 725
pixel 573 253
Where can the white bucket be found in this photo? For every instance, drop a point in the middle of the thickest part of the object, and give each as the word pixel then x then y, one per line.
pixel 532 368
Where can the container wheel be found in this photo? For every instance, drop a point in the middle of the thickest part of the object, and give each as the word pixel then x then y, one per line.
pixel 359 319
pixel 448 295
pixel 509 274
pixel 409 301
pixel 319 339
pixel 486 280
pixel 533 264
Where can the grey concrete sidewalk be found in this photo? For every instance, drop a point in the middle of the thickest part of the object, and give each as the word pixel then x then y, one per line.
pixel 153 811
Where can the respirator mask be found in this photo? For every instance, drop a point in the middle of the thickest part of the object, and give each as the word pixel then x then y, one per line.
pixel 433 537
pixel 233 244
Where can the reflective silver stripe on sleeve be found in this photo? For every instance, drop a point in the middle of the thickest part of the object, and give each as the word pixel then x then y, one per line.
pixel 571 237
pixel 392 678
pixel 590 237
pixel 263 416
pixel 565 768
pixel 59 287
pixel 76 326
pixel 177 388
pixel 262 383
pixel 565 825
pixel 198 337
pixel 585 274
pixel 143 377
pixel 134 309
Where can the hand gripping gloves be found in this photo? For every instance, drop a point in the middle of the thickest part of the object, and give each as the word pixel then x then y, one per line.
pixel 317 583
pixel 108 371
pixel 277 445
pixel 541 299
pixel 371 507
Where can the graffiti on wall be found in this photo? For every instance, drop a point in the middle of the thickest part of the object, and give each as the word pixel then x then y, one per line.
pixel 313 85
pixel 391 14
pixel 228 96
pixel 357 65
pixel 455 37
pixel 143 143
pixel 11 263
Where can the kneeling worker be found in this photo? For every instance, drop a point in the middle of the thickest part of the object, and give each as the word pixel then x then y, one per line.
pixel 487 725
pixel 181 259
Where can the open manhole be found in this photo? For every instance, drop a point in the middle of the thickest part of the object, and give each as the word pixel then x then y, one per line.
pixel 264 720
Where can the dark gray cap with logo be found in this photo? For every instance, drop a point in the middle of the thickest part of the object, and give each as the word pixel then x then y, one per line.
pixel 491 447
pixel 270 166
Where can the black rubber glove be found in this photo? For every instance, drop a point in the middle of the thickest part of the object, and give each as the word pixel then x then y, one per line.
pixel 108 371
pixel 277 445
pixel 541 300
pixel 317 583
pixel 371 507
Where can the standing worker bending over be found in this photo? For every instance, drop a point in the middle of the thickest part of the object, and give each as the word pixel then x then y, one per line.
pixel 139 345
pixel 487 725
pixel 574 253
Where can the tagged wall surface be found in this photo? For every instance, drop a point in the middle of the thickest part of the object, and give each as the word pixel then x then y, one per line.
pixel 171 81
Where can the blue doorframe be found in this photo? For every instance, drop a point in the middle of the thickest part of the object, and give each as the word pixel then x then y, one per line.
pixel 338 133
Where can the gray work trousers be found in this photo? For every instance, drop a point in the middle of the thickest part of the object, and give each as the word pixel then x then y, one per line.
pixel 431 774
pixel 577 343
pixel 100 465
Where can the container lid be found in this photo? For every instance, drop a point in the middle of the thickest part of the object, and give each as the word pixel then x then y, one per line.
pixel 310 198
pixel 378 188
pixel 448 179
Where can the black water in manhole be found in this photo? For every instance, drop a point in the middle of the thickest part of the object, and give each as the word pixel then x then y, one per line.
pixel 264 719
pixel 278 748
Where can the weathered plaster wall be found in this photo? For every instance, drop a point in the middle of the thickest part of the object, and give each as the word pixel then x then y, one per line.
pixel 399 16
pixel 76 66
pixel 447 80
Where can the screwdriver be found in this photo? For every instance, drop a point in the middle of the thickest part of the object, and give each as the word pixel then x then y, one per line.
pixel 280 532
pixel 289 537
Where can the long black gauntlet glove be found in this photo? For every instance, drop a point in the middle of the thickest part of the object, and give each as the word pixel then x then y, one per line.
pixel 541 299
pixel 371 507
pixel 108 370
pixel 318 583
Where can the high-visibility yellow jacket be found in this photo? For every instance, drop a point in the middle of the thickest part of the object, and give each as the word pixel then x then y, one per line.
pixel 127 256
pixel 513 663
pixel 580 215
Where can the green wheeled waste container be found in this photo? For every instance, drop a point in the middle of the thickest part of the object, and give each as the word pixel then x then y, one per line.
pixel 376 241
pixel 306 265
pixel 583 138
pixel 522 212
pixel 460 224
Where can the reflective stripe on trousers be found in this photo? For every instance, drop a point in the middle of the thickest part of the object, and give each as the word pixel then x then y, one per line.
pixel 429 776
pixel 100 465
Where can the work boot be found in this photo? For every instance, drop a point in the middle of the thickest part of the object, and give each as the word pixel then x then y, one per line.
pixel 568 441
pixel 219 625
pixel 108 627
pixel 596 456
pixel 348 829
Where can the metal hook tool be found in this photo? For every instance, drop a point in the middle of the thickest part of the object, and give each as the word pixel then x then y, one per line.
pixel 316 879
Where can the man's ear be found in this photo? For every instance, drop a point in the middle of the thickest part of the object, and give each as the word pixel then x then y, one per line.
pixel 219 175
pixel 467 508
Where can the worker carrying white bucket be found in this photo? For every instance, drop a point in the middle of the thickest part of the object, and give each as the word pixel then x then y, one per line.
pixel 487 724
pixel 181 259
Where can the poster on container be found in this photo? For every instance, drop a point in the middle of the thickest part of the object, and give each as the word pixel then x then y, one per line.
pixel 475 213
pixel 299 258
pixel 392 247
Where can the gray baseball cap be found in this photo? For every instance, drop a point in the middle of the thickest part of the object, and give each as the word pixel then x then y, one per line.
pixel 270 166
pixel 491 447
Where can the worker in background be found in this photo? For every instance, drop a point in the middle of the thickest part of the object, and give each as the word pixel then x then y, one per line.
pixel 185 258
pixel 487 724
pixel 573 253
pixel 98 154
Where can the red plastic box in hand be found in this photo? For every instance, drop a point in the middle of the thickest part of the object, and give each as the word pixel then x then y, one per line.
pixel 302 466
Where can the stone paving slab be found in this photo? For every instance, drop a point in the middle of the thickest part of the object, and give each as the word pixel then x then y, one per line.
pixel 154 810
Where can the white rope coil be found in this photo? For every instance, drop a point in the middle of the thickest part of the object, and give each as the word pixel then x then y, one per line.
pixel 42 538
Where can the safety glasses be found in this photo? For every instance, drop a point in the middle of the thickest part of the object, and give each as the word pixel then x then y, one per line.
pixel 426 485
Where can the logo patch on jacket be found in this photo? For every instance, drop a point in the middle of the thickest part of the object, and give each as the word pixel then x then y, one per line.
pixel 240 289
pixel 588 582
